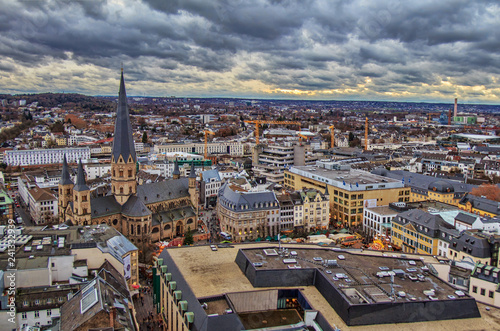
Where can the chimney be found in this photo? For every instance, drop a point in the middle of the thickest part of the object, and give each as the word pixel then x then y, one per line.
pixel 366 133
pixel 112 316
pixel 455 109
pixel 449 116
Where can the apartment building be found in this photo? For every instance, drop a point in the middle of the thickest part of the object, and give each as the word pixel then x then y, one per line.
pixel 350 190
pixel 222 147
pixel 29 157
pixel 484 284
pixel 416 231
pixel 43 206
pixel 210 183
pixel 423 187
pixel 247 215
pixel 377 220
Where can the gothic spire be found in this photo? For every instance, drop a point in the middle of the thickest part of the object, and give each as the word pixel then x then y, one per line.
pixel 176 168
pixel 192 173
pixel 123 143
pixel 80 179
pixel 65 177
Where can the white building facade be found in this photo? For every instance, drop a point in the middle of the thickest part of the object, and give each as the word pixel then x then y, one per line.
pixel 30 157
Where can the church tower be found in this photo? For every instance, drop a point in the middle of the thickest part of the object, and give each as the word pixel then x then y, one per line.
pixel 123 157
pixel 176 174
pixel 81 198
pixel 65 191
pixel 193 190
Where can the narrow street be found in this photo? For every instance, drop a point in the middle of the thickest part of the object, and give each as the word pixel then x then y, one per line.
pixel 145 311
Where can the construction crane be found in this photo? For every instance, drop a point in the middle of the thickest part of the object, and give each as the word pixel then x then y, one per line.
pixel 303 136
pixel 259 122
pixel 429 116
pixel 207 132
pixel 332 133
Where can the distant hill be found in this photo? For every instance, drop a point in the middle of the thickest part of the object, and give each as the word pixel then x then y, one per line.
pixel 65 100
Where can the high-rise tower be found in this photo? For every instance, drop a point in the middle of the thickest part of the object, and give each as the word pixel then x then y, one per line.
pixel 123 157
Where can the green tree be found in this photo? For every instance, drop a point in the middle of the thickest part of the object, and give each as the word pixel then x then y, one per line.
pixel 188 237
pixel 144 137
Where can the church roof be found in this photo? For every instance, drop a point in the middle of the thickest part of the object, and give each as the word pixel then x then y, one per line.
pixel 104 206
pixel 123 143
pixel 134 207
pixel 163 191
pixel 173 215
pixel 80 179
pixel 65 177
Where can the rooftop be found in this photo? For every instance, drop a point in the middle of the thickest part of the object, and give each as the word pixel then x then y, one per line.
pixel 353 180
pixel 205 279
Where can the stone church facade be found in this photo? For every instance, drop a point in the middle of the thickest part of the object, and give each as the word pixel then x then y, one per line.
pixel 143 213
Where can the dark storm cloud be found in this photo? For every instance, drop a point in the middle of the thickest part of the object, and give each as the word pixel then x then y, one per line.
pixel 374 46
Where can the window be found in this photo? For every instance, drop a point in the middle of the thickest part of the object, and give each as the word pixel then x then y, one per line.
pixel 491 294
pixel 483 291
pixel 130 172
pixel 121 173
pixel 37 314
pixel 24 315
pixel 474 289
pixel 49 312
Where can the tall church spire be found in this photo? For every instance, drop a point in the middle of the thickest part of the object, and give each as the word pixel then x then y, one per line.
pixel 65 177
pixel 123 143
pixel 81 185
pixel 176 173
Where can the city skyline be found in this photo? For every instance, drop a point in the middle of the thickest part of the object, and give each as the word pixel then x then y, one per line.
pixel 317 50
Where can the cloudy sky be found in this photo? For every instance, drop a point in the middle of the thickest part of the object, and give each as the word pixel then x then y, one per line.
pixel 424 50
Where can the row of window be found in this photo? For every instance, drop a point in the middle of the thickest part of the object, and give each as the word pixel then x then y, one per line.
pixel 48 313
pixel 491 294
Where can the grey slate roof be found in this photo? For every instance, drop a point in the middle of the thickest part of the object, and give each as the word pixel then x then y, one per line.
pixel 492 277
pixel 468 243
pixel 422 184
pixel 123 143
pixel 464 218
pixel 134 207
pixel 80 179
pixel 163 191
pixel 209 174
pixel 247 201
pixel 104 206
pixel 484 204
pixel 65 177
pixel 173 215
pixel 422 220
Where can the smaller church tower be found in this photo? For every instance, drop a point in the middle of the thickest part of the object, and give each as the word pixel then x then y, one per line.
pixel 193 190
pixel 81 198
pixel 65 191
pixel 176 174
